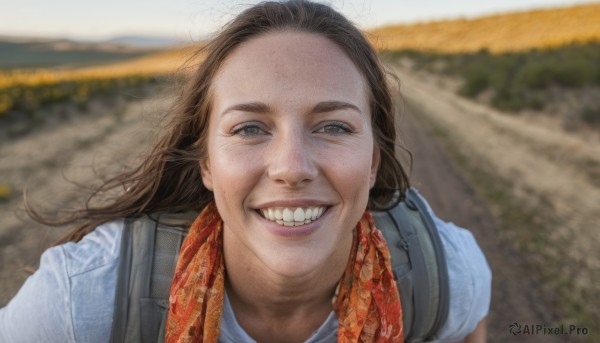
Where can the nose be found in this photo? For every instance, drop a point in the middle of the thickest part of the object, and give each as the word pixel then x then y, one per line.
pixel 292 160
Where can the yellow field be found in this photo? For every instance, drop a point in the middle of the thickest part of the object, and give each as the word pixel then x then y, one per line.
pixel 540 29
pixel 499 33
pixel 31 88
pixel 161 63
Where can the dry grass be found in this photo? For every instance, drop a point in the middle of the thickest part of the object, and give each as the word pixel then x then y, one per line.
pixel 157 64
pixel 538 29
pixel 31 88
pixel 499 33
pixel 544 173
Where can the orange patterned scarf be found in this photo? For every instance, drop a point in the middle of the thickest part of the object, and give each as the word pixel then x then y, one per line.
pixel 367 303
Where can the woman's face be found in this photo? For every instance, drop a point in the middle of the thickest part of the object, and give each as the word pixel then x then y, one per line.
pixel 291 156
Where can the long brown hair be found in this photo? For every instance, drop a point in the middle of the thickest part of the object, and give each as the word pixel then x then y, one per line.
pixel 168 180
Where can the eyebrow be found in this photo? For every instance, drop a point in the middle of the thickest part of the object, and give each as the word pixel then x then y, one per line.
pixel 252 107
pixel 262 108
pixel 330 106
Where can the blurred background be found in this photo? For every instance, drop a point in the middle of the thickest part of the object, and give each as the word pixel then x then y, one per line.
pixel 499 101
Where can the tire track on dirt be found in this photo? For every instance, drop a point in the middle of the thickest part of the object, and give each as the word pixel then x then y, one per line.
pixel 517 294
pixel 81 149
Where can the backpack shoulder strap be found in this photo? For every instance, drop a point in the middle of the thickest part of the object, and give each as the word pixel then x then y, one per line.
pixel 149 251
pixel 419 265
pixel 150 248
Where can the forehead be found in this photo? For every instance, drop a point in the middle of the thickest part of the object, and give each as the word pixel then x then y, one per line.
pixel 289 62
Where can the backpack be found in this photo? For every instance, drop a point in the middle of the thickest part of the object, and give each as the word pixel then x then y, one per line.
pixel 150 247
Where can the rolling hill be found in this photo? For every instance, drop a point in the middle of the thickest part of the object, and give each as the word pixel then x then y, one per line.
pixel 38 53
pixel 517 31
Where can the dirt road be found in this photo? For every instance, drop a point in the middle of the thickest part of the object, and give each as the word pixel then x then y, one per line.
pixel 519 148
pixel 517 294
pixel 106 141
pixel 80 149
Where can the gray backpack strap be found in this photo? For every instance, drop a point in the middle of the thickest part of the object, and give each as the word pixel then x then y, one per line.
pixel 419 266
pixel 149 252
pixel 150 248
pixel 119 325
pixel 416 202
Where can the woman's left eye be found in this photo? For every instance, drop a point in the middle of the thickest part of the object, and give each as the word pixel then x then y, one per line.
pixel 249 130
pixel 335 128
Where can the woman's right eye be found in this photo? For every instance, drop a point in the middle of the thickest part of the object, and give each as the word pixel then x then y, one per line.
pixel 249 130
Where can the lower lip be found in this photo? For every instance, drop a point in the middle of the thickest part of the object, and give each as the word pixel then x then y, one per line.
pixel 292 231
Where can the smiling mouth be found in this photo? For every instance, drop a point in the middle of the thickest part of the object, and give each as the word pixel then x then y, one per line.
pixel 292 216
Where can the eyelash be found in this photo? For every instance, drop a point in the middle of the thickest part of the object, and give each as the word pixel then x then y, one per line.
pixel 338 125
pixel 240 131
pixel 342 127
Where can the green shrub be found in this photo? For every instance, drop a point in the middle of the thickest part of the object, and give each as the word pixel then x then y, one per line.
pixel 591 114
pixel 517 79
pixel 477 79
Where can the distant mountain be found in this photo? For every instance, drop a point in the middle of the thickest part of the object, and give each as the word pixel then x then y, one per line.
pixel 24 39
pixel 145 41
pixel 26 52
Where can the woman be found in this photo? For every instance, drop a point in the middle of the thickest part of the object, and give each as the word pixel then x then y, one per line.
pixel 282 139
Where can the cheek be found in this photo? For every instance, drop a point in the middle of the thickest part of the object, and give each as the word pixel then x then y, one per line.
pixel 234 171
pixel 350 169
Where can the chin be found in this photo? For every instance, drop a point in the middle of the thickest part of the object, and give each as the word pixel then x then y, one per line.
pixel 294 262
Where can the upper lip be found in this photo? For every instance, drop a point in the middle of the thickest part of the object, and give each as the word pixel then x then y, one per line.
pixel 292 203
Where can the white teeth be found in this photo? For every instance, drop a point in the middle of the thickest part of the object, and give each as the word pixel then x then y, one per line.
pixel 271 214
pixel 299 215
pixel 292 216
pixel 288 215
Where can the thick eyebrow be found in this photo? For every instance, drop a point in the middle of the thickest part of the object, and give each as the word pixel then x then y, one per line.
pixel 252 107
pixel 330 106
pixel 262 108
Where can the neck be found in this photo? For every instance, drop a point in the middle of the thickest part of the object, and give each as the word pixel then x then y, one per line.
pixel 277 297
pixel 269 305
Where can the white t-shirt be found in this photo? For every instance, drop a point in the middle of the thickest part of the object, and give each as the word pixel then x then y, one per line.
pixel 70 298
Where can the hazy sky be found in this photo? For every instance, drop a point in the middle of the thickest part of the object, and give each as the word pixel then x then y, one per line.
pixel 191 19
